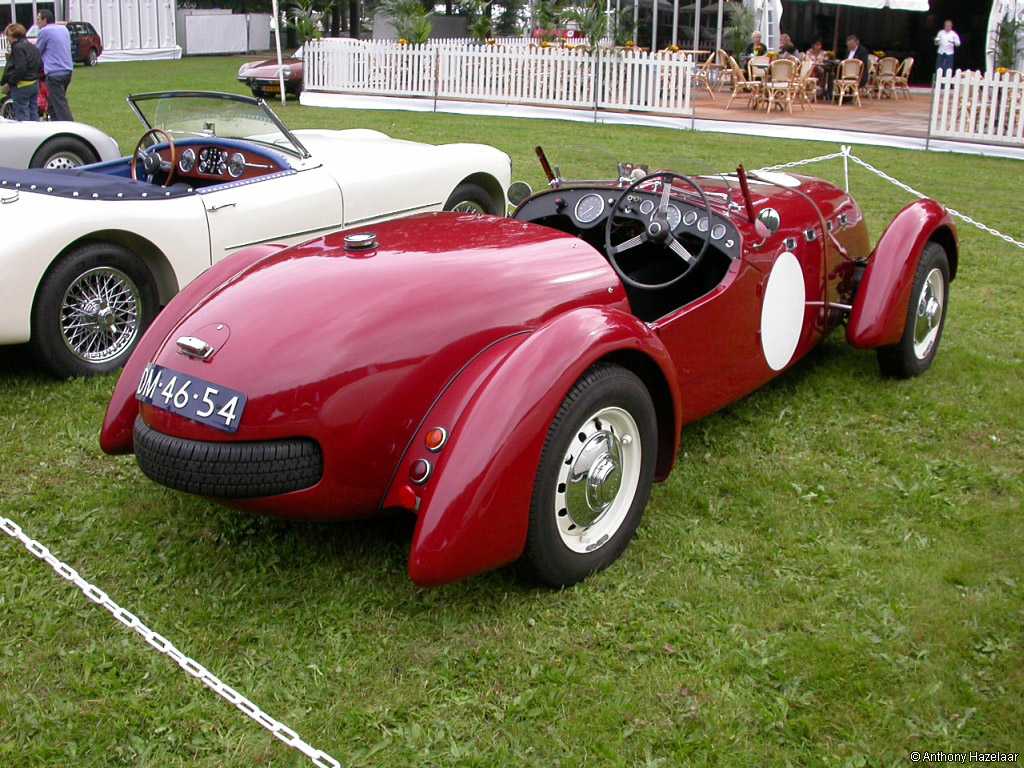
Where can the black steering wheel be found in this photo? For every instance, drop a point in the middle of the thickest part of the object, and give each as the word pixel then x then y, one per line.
pixel 656 229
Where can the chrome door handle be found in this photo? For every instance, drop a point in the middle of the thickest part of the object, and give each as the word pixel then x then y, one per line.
pixel 222 205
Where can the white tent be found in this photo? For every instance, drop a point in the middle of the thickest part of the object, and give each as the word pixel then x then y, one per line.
pixel 130 29
pixel 896 5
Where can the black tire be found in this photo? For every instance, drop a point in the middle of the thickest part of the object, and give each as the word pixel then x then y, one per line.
pixel 547 556
pixel 473 198
pixel 7 110
pixel 92 58
pixel 257 93
pixel 902 360
pixel 125 274
pixel 63 152
pixel 239 470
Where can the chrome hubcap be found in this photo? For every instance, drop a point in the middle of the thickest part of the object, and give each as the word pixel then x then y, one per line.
pixel 468 206
pixel 64 161
pixel 597 480
pixel 929 314
pixel 99 316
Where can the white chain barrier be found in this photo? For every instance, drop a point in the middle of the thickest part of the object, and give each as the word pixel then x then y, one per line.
pixel 162 645
pixel 847 155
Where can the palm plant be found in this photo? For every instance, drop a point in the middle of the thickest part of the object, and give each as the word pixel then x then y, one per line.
pixel 741 26
pixel 591 19
pixel 412 21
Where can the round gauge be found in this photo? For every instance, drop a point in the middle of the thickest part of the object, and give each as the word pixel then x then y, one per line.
pixel 646 207
pixel 702 225
pixel 236 166
pixel 207 160
pixel 718 232
pixel 187 161
pixel 674 217
pixel 589 208
pixel 690 218
pixel 222 163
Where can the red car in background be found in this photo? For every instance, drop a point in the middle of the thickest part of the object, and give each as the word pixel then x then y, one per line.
pixel 263 78
pixel 86 45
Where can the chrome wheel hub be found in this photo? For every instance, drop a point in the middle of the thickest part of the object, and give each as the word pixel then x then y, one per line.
pixel 928 318
pixel 63 161
pixel 99 315
pixel 597 480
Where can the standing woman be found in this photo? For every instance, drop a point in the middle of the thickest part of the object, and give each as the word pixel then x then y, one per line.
pixel 21 75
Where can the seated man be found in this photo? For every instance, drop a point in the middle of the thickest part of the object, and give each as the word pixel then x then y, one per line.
pixel 756 47
pixel 787 50
pixel 858 51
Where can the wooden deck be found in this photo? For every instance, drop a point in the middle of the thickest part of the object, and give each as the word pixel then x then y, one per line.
pixel 901 116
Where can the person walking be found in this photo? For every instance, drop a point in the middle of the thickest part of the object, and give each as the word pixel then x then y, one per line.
pixel 948 41
pixel 54 44
pixel 21 75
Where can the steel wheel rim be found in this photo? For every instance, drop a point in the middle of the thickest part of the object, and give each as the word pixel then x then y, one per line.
pixel 468 206
pixel 597 480
pixel 99 315
pixel 63 161
pixel 928 316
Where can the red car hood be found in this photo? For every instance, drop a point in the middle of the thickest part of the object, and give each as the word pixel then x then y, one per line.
pixel 268 68
pixel 324 341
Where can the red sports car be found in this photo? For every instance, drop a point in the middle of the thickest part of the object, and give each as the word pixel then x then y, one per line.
pixel 516 383
pixel 264 79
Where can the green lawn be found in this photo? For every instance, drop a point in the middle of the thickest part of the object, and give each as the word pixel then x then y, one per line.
pixel 832 576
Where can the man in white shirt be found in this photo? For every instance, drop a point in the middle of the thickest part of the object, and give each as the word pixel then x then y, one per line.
pixel 948 41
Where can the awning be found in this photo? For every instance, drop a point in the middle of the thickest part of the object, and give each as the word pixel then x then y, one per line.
pixel 896 5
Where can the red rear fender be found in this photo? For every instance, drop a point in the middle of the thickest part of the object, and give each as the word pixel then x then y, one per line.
pixel 880 306
pixel 116 435
pixel 474 508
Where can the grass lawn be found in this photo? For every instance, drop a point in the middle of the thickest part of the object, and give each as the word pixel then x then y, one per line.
pixel 832 576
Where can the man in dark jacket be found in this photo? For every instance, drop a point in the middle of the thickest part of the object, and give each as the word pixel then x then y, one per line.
pixel 858 51
pixel 21 75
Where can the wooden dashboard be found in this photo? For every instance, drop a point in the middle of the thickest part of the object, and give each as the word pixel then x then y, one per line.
pixel 211 163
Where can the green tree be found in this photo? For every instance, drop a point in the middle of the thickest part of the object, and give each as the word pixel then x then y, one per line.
pixel 412 21
pixel 591 20
pixel 740 27
pixel 1006 43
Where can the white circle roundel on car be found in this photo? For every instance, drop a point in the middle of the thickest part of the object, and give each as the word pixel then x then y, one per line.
pixel 782 313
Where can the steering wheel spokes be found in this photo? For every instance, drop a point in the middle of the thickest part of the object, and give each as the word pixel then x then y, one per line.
pixel 151 160
pixel 657 227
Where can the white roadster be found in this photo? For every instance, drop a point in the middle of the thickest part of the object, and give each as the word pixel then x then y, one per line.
pixel 91 254
pixel 46 144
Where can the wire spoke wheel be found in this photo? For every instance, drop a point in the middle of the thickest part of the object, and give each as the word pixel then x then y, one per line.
pixel 100 315
pixel 468 206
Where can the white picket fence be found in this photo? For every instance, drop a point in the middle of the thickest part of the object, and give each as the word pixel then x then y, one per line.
pixel 5 48
pixel 978 107
pixel 516 74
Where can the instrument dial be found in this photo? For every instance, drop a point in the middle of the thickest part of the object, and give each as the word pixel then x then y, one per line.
pixel 646 207
pixel 690 218
pixel 589 208
pixel 236 166
pixel 187 161
pixel 674 217
pixel 703 224
pixel 718 232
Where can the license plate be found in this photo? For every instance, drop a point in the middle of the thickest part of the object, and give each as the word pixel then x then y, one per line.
pixel 272 87
pixel 191 397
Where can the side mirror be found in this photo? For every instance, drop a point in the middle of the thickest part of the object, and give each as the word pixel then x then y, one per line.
pixel 768 222
pixel 519 191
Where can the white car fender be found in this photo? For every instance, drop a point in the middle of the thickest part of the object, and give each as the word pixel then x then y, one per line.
pixel 39 229
pixel 19 142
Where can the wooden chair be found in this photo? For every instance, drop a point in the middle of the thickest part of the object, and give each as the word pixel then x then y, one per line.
pixel 757 67
pixel 848 81
pixel 702 75
pixel 807 83
pixel 902 79
pixel 741 85
pixel 885 77
pixel 779 86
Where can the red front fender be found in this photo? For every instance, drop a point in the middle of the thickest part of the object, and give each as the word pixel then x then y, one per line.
pixel 880 307
pixel 116 435
pixel 474 509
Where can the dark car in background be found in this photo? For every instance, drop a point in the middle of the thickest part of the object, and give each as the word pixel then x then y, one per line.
pixel 263 78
